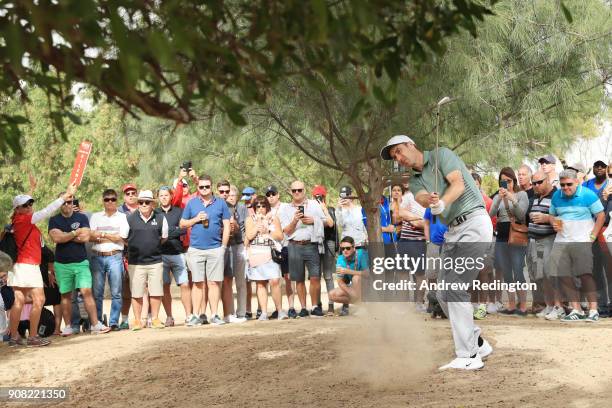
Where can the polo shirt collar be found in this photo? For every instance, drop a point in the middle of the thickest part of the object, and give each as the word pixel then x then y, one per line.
pixel 212 201
pixel 146 219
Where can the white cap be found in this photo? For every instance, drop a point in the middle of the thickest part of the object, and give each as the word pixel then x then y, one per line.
pixel 145 195
pixel 21 199
pixel 395 140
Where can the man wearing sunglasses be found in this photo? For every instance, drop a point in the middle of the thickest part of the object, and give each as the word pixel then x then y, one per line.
pixel 351 267
pixel 130 199
pixel 547 165
pixel 148 231
pixel 573 209
pixel 442 182
pixel 70 231
pixel 303 248
pixel 541 239
pixel 209 220
pixel 130 204
pixel 109 228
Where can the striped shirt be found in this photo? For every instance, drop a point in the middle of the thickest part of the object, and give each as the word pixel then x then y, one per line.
pixel 408 231
pixel 540 205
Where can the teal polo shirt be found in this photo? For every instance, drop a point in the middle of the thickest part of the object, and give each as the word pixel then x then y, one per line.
pixel 448 162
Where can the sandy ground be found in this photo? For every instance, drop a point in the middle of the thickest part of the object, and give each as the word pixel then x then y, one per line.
pixel 383 356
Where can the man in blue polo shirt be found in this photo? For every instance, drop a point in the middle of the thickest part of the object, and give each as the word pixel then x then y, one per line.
pixel 351 266
pixel 573 208
pixel 209 220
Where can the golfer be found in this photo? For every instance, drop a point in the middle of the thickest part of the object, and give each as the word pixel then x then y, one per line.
pixel 442 182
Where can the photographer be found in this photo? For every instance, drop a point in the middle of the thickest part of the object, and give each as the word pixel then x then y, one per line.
pixel 351 267
pixel 350 218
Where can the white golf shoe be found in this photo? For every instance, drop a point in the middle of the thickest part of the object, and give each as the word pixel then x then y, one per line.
pixel 464 363
pixel 485 350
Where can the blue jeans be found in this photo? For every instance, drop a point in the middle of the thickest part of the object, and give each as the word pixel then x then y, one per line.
pixel 511 260
pixel 101 266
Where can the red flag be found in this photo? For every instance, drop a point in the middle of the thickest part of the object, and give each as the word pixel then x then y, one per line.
pixel 80 162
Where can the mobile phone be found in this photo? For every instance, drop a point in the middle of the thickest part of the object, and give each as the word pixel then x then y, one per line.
pixel 319 198
pixel 186 165
pixel 75 202
pixel 301 209
pixel 503 184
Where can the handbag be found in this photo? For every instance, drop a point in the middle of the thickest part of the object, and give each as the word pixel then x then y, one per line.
pixel 277 256
pixel 518 232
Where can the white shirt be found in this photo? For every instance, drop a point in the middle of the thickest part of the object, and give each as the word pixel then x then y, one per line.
pixel 302 231
pixel 412 205
pixel 115 224
pixel 350 220
pixel 275 211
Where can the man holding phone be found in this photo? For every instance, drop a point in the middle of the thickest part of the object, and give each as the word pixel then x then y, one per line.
pixel 303 222
pixel 442 182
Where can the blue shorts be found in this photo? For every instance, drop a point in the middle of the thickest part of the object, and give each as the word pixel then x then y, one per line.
pixel 176 265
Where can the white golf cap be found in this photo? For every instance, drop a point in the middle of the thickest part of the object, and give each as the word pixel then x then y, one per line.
pixel 395 140
pixel 21 199
pixel 145 195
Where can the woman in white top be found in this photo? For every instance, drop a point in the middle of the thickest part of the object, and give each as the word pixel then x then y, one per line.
pixel 263 231
pixel 350 218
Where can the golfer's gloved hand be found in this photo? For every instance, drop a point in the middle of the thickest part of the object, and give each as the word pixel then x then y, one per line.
pixel 437 208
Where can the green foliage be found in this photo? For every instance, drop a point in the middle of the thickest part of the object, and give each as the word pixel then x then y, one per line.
pixel 171 58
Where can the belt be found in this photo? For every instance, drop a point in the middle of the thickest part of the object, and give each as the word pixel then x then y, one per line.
pixel 304 242
pixel 110 253
pixel 463 218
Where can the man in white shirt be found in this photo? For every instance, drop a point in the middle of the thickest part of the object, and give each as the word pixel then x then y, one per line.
pixel 299 220
pixel 107 229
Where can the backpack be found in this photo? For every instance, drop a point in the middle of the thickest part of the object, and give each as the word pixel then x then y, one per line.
pixel 8 245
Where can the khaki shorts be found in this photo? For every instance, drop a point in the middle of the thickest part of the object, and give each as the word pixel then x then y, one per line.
pixel 206 264
pixel 571 259
pixel 146 276
pixel 25 276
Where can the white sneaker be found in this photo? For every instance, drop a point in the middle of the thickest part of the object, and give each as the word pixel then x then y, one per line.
pixel 169 321
pixel 282 315
pixel 217 321
pixel 555 314
pixel 499 305
pixel 67 331
pixel 99 328
pixel 544 312
pixel 421 308
pixel 263 317
pixel 491 308
pixel 464 363
pixel 192 320
pixel 234 319
pixel 485 350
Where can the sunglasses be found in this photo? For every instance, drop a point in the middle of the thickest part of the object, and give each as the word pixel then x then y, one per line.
pixel 27 205
pixel 108 199
pixel 144 202
pixel 610 175
pixel 270 194
pixel 260 206
pixel 537 183
pixel 224 191
pixel 130 193
pixel 346 248
pixel 297 190
pixel 69 202
pixel 204 187
pixel 566 184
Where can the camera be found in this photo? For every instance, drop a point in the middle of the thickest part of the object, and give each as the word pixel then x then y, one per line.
pixel 319 198
pixel 186 165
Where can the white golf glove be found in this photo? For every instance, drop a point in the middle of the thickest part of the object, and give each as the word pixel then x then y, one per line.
pixel 437 209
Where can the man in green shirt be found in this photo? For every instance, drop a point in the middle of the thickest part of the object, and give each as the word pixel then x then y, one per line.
pixel 442 182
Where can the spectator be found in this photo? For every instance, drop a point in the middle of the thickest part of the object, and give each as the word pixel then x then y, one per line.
pixel 263 230
pixel 547 165
pixel 273 197
pixel 234 257
pixel 351 267
pixel 248 195
pixel 25 278
pixel 107 229
pixel 173 259
pixel 52 293
pixel 148 231
pixel 412 240
pixel 303 222
pixel 524 180
pixel 580 171
pixel 598 184
pixel 330 246
pixel 386 223
pixel 397 192
pixel 350 219
pixel 6 264
pixel 510 205
pixel 130 204
pixel 208 218
pixel 606 200
pixel 542 237
pixel 69 230
pixel 434 230
pixel 574 207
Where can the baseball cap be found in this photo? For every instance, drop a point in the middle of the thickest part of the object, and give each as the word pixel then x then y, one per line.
pixel 128 186
pixel 21 199
pixel 247 193
pixel 395 140
pixel 271 189
pixel 319 190
pixel 600 163
pixel 578 167
pixel 145 195
pixel 345 192
pixel 549 158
